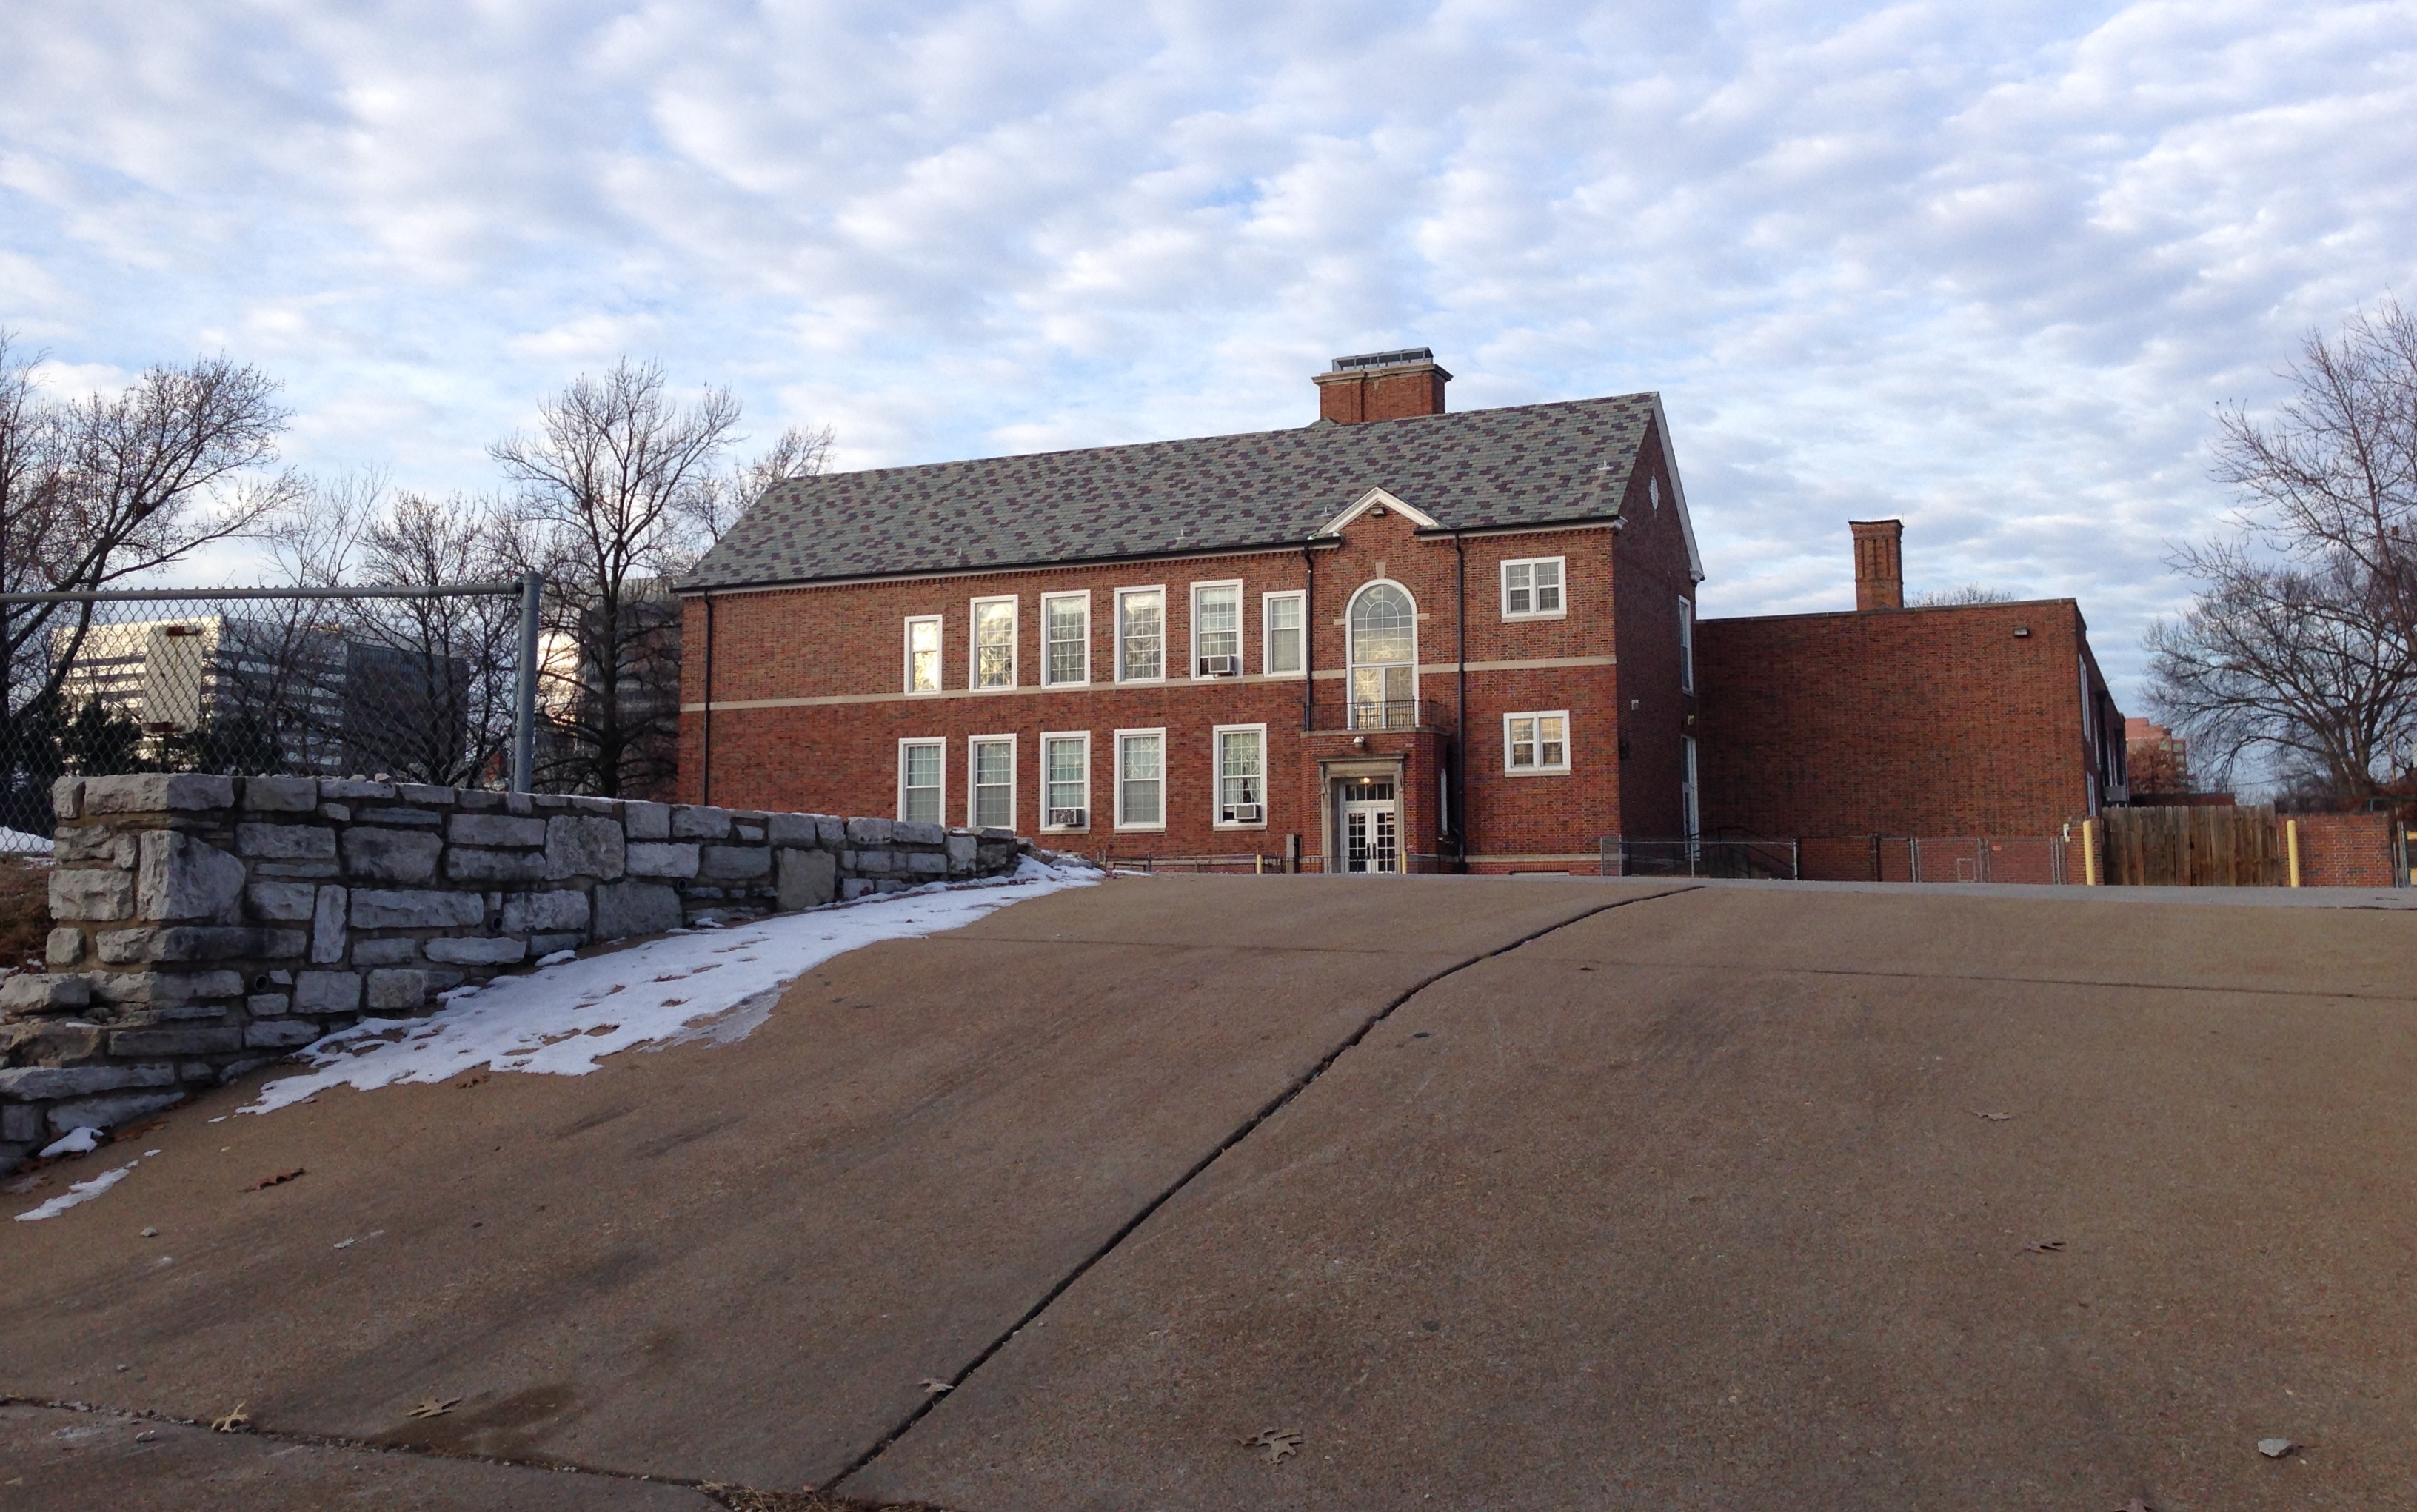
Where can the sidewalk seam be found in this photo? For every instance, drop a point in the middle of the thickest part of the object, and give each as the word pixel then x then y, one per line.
pixel 1241 1132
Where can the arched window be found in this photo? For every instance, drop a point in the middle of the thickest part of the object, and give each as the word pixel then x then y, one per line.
pixel 1384 658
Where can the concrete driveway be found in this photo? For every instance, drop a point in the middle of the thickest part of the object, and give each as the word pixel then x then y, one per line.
pixel 1496 1193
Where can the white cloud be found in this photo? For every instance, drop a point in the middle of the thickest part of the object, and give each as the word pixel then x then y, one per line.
pixel 1987 267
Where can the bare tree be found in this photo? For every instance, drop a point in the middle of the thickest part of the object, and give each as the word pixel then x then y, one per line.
pixel 606 492
pixel 456 654
pixel 1972 593
pixel 798 452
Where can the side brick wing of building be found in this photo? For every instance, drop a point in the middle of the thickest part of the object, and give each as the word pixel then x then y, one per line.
pixel 1396 639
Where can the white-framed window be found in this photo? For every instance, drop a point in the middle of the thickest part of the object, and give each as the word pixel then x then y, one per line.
pixel 924 653
pixel 1065 639
pixel 990 781
pixel 1689 802
pixel 1141 634
pixel 1686 645
pixel 1065 781
pixel 1384 625
pixel 994 643
pixel 1141 779
pixel 1283 632
pixel 1531 588
pixel 1216 629
pixel 1536 743
pixel 1241 776
pixel 922 781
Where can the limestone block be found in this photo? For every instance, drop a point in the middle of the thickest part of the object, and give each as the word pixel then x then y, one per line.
pixel 98 896
pixel 179 877
pixel 67 798
pixel 172 989
pixel 390 856
pixel 398 987
pixel 197 942
pixel 808 878
pixel 65 948
pixel 326 992
pixel 41 1083
pixel 378 909
pixel 386 953
pixel 304 870
pixel 461 864
pixel 495 829
pixel 108 1113
pixel 560 909
pixel 158 1042
pixel 340 790
pixel 518 803
pixel 789 829
pixel 646 820
pixel 546 802
pixel 155 793
pixel 280 795
pixel 906 833
pixel 874 863
pixel 694 821
pixel 93 842
pixel 268 1005
pixel 541 945
pixel 427 794
pixel 282 901
pixel 961 851
pixel 482 951
pixel 629 908
pixel 406 818
pixel 584 845
pixel 327 932
pixel 750 834
pixel 656 858
pixel 282 1034
pixel 868 831
pixel 852 889
pixel 829 830
pixel 589 804
pixel 734 863
pixel 286 842
pixel 19 1124
pixel 927 864
pixel 478 801
pixel 43 992
pixel 341 814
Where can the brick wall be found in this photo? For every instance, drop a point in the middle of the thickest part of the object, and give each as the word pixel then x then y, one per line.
pixel 2345 850
pixel 1916 722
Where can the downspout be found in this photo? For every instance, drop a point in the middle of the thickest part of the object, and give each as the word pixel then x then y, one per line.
pixel 1308 640
pixel 1460 708
pixel 704 794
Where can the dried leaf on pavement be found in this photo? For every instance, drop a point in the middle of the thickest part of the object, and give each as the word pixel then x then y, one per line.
pixel 1994 1118
pixel 932 1385
pixel 432 1407
pixel 278 1180
pixel 1278 1441
pixel 233 1422
pixel 2044 1246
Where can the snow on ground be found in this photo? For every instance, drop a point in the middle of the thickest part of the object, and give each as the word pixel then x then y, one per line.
pixel 81 1192
pixel 18 842
pixel 712 984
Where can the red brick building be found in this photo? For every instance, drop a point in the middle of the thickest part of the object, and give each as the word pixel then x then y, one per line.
pixel 1946 722
pixel 1396 639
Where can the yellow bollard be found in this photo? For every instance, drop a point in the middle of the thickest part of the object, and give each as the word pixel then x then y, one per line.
pixel 2291 847
pixel 2090 853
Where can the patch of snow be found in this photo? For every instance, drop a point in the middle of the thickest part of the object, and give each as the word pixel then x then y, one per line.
pixel 715 984
pixel 18 842
pixel 81 1192
pixel 74 1142
pixel 557 958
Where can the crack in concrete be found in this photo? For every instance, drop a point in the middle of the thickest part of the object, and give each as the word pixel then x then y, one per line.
pixel 1241 1132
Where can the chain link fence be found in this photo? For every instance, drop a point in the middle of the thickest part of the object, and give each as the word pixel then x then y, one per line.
pixel 434 684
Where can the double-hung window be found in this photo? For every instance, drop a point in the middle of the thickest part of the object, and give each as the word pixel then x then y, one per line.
pixel 994 633
pixel 1282 634
pixel 1536 743
pixel 990 781
pixel 1141 779
pixel 921 765
pixel 1065 639
pixel 924 653
pixel 1065 781
pixel 1686 645
pixel 1241 775
pixel 1216 629
pixel 1532 589
pixel 1141 635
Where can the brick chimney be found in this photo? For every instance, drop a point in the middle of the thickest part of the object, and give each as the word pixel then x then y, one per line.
pixel 1381 385
pixel 1880 563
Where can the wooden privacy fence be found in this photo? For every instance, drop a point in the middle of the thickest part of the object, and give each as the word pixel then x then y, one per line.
pixel 2194 847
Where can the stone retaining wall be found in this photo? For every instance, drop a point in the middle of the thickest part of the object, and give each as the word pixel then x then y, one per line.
pixel 203 925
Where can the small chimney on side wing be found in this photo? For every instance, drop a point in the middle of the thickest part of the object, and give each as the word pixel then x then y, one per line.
pixel 1381 385
pixel 1880 563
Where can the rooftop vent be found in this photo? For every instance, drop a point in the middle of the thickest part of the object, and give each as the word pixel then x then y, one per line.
pixel 1381 385
pixel 1384 359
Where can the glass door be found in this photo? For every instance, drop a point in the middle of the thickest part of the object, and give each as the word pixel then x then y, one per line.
pixel 1371 827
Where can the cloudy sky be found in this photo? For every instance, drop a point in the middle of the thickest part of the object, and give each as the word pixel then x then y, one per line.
pixel 1990 267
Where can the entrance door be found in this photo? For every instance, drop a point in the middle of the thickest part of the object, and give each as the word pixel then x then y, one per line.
pixel 1372 836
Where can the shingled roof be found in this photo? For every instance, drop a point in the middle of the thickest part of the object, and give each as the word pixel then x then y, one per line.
pixel 1527 465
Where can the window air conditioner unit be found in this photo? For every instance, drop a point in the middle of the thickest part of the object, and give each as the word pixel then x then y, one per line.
pixel 1219 666
pixel 1069 818
pixel 1245 814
